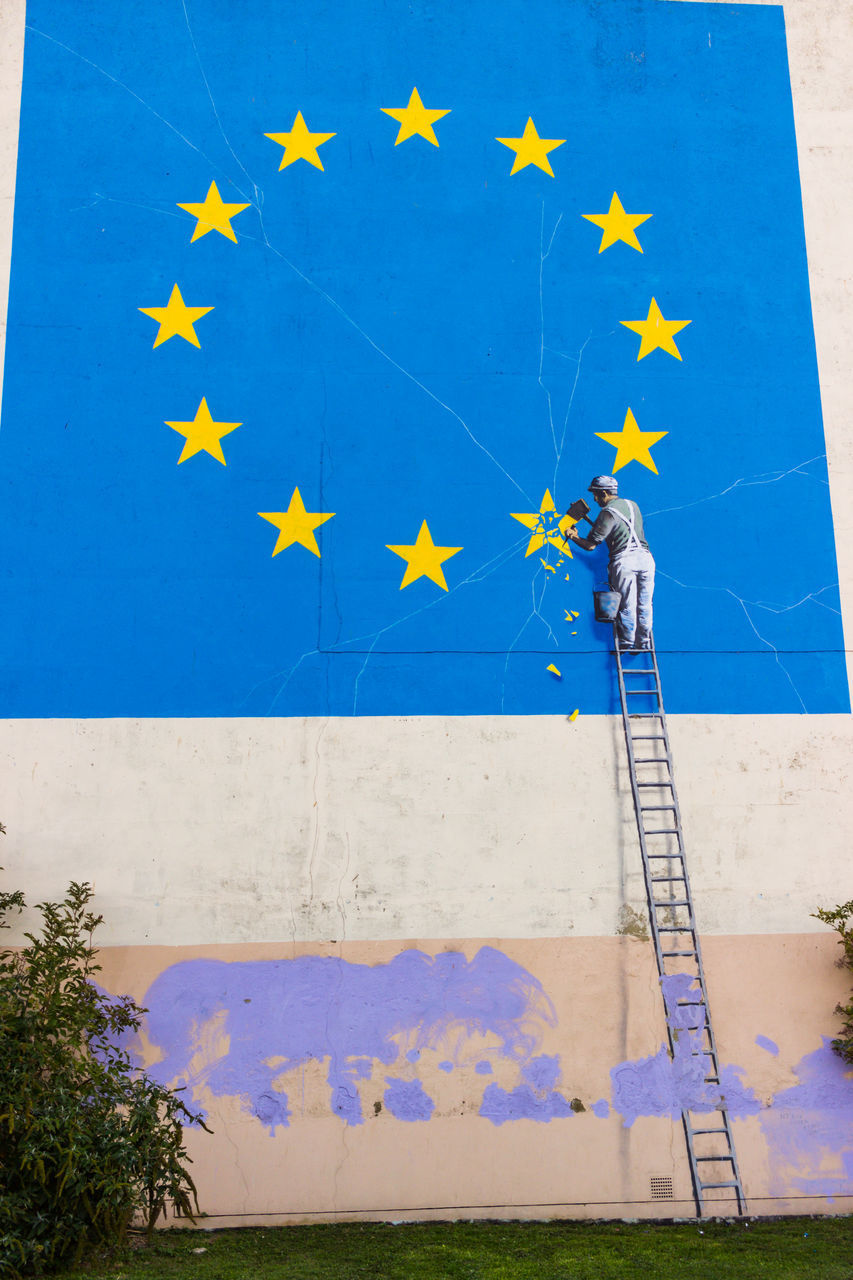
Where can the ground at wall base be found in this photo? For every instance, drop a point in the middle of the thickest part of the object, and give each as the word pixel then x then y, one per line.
pixel 791 1249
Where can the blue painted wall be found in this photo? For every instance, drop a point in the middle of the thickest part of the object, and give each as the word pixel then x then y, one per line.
pixel 410 333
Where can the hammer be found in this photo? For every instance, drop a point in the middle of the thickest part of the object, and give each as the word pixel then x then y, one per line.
pixel 580 511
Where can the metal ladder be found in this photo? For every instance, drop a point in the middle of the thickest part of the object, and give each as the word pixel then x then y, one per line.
pixel 710 1147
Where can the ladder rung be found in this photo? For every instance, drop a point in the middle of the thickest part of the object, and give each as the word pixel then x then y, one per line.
pixel 662 831
pixel 675 928
pixel 670 856
pixel 652 760
pixel 664 879
pixel 641 693
pixel 674 902
pixel 655 784
pixel 717 1186
pixel 695 1131
pixel 708 1159
pixel 678 953
pixel 638 671
pixel 648 737
pixel 656 808
pixel 645 715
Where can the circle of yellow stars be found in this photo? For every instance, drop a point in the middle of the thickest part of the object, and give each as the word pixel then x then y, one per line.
pixel 424 557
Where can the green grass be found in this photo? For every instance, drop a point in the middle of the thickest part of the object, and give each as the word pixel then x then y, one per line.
pixel 790 1249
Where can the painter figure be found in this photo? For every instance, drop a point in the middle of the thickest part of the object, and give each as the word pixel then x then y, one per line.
pixel 631 570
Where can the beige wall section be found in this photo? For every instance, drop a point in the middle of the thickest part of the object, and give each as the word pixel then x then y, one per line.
pixel 231 831
pixel 198 831
pixel 608 1010
pixel 11 65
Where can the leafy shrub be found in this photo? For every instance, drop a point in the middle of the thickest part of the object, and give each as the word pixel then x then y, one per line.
pixel 841 920
pixel 88 1143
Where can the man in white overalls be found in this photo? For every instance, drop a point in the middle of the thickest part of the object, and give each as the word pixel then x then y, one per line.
pixel 632 568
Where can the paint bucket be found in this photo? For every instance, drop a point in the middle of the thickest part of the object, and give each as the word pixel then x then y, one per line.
pixel 606 604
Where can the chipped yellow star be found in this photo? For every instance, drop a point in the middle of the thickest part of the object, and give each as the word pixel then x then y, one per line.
pixel 656 332
pixel 296 524
pixel 616 224
pixel 176 319
pixel 531 149
pixel 424 559
pixel 415 118
pixel 300 143
pixel 632 444
pixel 203 433
pixel 213 214
pixel 546 526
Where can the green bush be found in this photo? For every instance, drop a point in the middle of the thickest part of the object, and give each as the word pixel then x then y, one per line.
pixel 841 920
pixel 88 1143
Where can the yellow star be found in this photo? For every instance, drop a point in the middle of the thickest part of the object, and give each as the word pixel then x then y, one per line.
pixel 616 224
pixel 424 559
pixel 176 319
pixel 415 118
pixel 632 444
pixel 531 149
pixel 296 524
pixel 546 526
pixel 213 215
pixel 656 332
pixel 300 144
pixel 203 433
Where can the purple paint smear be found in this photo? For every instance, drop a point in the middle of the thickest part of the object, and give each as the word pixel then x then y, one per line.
pixel 809 1128
pixel 275 1016
pixel 665 1086
pixel 522 1103
pixel 280 1014
pixel 542 1072
pixel 483 1068
pixel 770 1045
pixel 535 1100
pixel 406 1100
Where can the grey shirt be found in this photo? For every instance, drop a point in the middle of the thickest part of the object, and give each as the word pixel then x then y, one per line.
pixel 610 529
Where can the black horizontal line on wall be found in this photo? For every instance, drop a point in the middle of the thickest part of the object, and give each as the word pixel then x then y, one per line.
pixel 568 650
pixel 564 1204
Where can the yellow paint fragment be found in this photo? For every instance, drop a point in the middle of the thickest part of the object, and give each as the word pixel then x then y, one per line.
pixel 556 670
pixel 575 714
pixel 569 615
pixel 567 577
pixel 574 633
pixel 549 568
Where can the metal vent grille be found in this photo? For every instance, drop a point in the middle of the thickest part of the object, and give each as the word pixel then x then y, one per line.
pixel 660 1188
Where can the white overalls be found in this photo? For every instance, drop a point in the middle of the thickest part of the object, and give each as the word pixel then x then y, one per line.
pixel 632 575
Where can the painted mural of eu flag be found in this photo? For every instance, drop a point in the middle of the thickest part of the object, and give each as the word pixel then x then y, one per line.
pixel 322 315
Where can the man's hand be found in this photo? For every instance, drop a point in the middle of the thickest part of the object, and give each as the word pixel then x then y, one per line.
pixel 571 535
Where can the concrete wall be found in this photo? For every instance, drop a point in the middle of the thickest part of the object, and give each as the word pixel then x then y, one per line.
pixel 506 841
